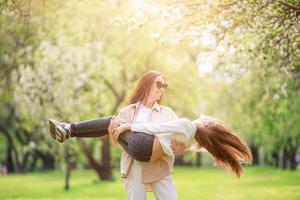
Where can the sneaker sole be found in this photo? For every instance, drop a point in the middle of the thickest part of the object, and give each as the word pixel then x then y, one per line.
pixel 56 131
pixel 52 129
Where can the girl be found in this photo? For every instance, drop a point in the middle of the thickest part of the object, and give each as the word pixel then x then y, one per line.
pixel 206 132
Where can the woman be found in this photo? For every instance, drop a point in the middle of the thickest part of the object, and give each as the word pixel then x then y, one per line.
pixel 144 106
pixel 206 132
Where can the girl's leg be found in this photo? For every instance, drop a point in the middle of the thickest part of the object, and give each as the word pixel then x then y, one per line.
pixel 91 128
pixel 140 146
pixel 62 131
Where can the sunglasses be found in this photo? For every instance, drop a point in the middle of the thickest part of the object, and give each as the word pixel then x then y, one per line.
pixel 160 85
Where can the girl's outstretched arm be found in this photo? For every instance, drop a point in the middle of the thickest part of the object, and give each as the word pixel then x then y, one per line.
pixel 181 125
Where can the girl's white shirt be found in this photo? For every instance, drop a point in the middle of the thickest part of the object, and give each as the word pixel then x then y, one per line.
pixel 182 129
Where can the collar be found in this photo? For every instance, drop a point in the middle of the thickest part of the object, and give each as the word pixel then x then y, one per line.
pixel 156 106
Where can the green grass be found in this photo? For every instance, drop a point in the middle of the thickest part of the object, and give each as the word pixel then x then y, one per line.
pixel 258 183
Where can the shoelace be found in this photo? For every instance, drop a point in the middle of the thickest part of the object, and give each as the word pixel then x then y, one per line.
pixel 66 127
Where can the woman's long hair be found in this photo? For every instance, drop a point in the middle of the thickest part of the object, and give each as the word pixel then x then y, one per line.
pixel 142 89
pixel 220 141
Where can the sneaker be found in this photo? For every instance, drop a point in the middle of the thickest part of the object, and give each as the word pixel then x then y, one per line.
pixel 60 131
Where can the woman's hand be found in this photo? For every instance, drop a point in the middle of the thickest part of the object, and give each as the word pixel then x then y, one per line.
pixel 121 129
pixel 177 147
pixel 113 125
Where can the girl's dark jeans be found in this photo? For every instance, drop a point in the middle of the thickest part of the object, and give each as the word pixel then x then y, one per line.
pixel 137 144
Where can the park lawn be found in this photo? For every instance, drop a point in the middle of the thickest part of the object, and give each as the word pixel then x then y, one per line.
pixel 258 183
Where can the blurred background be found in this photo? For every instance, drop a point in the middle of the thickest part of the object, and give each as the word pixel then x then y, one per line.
pixel 75 60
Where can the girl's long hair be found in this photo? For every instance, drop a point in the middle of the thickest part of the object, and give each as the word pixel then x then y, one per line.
pixel 220 141
pixel 142 89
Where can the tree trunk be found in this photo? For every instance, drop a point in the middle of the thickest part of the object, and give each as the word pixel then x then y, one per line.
pixel 275 156
pixel 255 155
pixel 48 161
pixel 24 165
pixel 103 170
pixel 179 160
pixel 9 159
pixel 106 171
pixel 198 159
pixel 9 151
pixel 285 158
pixel 33 162
pixel 293 162
pixel 67 177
